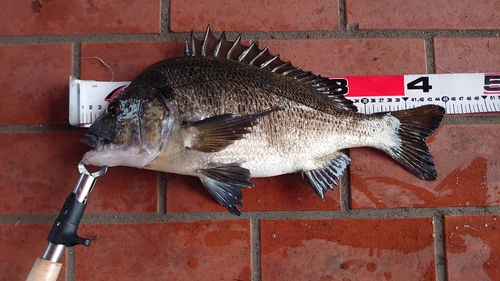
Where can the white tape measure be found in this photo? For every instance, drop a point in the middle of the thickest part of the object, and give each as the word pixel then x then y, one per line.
pixel 88 98
pixel 459 93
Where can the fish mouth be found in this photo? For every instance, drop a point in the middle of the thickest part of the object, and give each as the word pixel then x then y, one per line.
pixel 94 141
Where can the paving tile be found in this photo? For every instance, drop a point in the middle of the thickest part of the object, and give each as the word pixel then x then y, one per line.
pixel 126 59
pixel 34 83
pixel 472 247
pixel 452 55
pixel 348 249
pixel 287 192
pixel 20 245
pixel 407 14
pixel 352 56
pixel 48 17
pixel 40 170
pixel 204 250
pixel 467 162
pixel 253 16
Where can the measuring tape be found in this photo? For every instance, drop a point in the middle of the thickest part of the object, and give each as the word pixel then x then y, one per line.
pixel 88 98
pixel 458 93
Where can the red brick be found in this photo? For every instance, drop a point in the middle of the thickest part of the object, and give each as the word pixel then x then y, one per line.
pixel 253 15
pixel 354 249
pixel 47 17
pixel 126 59
pixel 467 162
pixel 287 192
pixel 407 14
pixel 40 170
pixel 125 190
pixel 353 56
pixel 21 244
pixel 205 250
pixel 34 83
pixel 467 55
pixel 472 247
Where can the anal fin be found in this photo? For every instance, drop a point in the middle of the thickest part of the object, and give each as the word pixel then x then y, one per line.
pixel 322 179
pixel 224 183
pixel 217 132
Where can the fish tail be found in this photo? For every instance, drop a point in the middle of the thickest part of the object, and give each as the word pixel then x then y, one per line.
pixel 411 150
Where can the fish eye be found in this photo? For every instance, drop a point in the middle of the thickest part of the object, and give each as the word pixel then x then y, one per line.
pixel 113 109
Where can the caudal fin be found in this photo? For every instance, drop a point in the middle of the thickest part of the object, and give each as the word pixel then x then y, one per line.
pixel 411 150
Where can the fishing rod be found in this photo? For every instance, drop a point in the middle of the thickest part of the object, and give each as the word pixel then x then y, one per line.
pixel 64 230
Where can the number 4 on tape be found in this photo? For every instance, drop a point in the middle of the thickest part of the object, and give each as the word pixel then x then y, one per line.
pixel 421 83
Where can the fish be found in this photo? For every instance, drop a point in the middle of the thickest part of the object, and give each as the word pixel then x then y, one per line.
pixel 226 112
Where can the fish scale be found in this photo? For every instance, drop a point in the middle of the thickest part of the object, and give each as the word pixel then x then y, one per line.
pixel 226 112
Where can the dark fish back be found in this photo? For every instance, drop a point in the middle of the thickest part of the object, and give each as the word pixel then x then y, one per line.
pixel 231 66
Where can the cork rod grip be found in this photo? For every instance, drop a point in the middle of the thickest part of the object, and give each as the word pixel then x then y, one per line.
pixel 44 270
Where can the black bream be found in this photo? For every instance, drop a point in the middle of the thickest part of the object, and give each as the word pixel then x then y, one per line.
pixel 226 112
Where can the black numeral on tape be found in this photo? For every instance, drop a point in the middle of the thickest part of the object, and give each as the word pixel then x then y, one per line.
pixel 421 83
pixel 341 86
pixel 492 83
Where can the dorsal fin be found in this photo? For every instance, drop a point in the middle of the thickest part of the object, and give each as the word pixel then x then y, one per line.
pixel 210 46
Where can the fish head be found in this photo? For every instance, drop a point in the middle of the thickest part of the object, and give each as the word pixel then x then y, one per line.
pixel 132 129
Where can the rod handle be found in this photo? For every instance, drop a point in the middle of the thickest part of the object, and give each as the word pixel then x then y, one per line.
pixel 44 270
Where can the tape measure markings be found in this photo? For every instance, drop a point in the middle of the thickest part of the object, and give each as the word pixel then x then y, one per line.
pixel 458 93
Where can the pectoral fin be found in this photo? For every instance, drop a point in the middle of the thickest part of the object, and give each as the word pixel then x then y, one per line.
pixel 216 133
pixel 224 182
pixel 321 180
